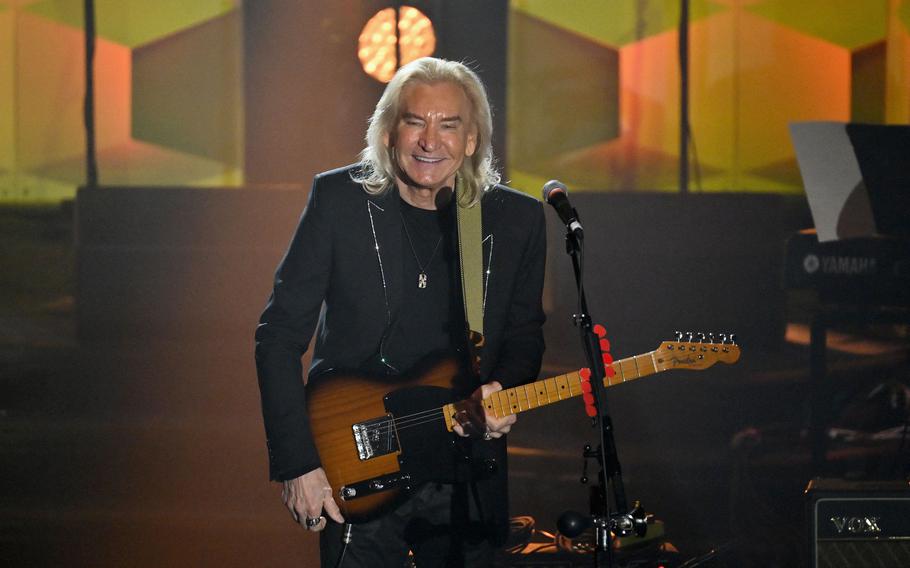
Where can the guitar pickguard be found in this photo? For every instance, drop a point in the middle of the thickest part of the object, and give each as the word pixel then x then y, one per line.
pixel 421 432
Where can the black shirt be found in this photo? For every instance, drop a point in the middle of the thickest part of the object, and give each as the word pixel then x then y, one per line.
pixel 424 324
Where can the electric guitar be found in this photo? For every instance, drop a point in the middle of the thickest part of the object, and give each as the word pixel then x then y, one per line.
pixel 377 439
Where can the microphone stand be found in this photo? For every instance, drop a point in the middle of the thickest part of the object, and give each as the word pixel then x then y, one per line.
pixel 605 522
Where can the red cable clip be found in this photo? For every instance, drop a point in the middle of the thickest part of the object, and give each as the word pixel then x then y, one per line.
pixel 586 394
pixel 585 374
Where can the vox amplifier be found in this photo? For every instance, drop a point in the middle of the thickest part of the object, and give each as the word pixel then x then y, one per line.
pixel 858 524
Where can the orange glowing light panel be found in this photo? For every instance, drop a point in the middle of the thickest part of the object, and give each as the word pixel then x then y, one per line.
pixel 377 49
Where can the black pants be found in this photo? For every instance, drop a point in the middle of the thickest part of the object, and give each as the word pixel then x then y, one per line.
pixel 428 524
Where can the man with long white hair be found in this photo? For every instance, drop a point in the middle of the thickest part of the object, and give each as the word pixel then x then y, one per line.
pixel 374 270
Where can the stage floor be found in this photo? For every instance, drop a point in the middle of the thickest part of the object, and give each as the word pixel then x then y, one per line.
pixel 150 452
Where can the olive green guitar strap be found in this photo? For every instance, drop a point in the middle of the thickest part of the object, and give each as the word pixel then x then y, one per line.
pixel 470 251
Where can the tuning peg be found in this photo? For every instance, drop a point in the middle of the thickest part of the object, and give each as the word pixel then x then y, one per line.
pixel 711 338
pixel 701 337
pixel 732 339
pixel 690 336
pixel 679 335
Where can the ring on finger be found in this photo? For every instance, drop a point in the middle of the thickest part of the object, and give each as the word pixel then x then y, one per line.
pixel 313 522
pixel 487 435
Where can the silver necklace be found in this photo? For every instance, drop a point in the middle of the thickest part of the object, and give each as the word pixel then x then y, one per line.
pixel 422 275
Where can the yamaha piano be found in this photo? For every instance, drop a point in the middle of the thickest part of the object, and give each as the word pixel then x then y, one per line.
pixel 857 259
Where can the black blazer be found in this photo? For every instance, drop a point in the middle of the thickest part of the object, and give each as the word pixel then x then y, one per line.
pixel 347 255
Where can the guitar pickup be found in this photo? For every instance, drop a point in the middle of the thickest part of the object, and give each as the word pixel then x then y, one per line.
pixel 375 437
pixel 375 485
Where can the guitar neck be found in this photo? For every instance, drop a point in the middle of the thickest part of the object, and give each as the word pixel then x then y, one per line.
pixel 561 387
pixel 671 355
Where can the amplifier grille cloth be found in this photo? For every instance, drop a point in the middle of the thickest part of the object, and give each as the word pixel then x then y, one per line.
pixel 864 554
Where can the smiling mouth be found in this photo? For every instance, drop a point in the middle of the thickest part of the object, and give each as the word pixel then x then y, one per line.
pixel 427 160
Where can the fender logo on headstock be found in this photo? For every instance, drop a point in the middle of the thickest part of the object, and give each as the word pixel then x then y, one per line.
pixel 683 361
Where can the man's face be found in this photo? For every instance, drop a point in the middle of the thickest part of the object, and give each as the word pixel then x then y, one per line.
pixel 434 133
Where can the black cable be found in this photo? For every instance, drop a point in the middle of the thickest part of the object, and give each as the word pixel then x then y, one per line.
pixel 91 165
pixel 683 54
pixel 580 307
pixel 696 165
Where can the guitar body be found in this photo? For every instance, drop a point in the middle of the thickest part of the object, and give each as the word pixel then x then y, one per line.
pixel 363 450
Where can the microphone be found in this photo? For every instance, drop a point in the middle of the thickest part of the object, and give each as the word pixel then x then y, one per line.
pixel 443 197
pixel 557 194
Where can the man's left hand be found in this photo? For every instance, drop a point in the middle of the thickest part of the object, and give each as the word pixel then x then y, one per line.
pixel 495 427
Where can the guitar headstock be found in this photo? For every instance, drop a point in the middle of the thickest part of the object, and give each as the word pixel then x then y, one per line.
pixel 697 351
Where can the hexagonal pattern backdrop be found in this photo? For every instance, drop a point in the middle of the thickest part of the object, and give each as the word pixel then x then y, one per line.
pixel 755 66
pixel 592 90
pixel 168 95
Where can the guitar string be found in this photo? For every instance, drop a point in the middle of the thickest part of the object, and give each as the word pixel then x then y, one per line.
pixel 417 418
pixel 405 421
pixel 434 414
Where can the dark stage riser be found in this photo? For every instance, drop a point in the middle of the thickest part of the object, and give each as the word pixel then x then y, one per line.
pixel 199 262
pixel 178 262
pixel 658 262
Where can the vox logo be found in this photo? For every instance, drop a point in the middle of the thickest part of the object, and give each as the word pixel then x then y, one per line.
pixel 856 525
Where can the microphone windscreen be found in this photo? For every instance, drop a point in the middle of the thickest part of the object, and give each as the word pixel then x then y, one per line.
pixel 551 186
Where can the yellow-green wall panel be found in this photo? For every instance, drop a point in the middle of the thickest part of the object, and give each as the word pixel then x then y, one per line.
pixel 613 23
pixel 135 22
pixel 847 23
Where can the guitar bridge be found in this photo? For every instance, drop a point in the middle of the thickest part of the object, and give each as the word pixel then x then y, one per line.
pixel 375 437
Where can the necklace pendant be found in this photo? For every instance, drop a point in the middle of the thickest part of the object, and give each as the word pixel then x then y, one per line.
pixel 422 280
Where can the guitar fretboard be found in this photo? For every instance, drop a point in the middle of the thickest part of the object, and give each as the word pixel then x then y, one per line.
pixel 554 389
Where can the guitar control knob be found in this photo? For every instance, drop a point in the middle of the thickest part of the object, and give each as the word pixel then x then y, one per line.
pixel 348 493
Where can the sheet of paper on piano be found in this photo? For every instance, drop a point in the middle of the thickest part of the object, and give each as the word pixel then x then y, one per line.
pixel 834 185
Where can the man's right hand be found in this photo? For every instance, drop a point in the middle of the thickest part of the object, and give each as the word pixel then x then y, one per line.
pixel 307 496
